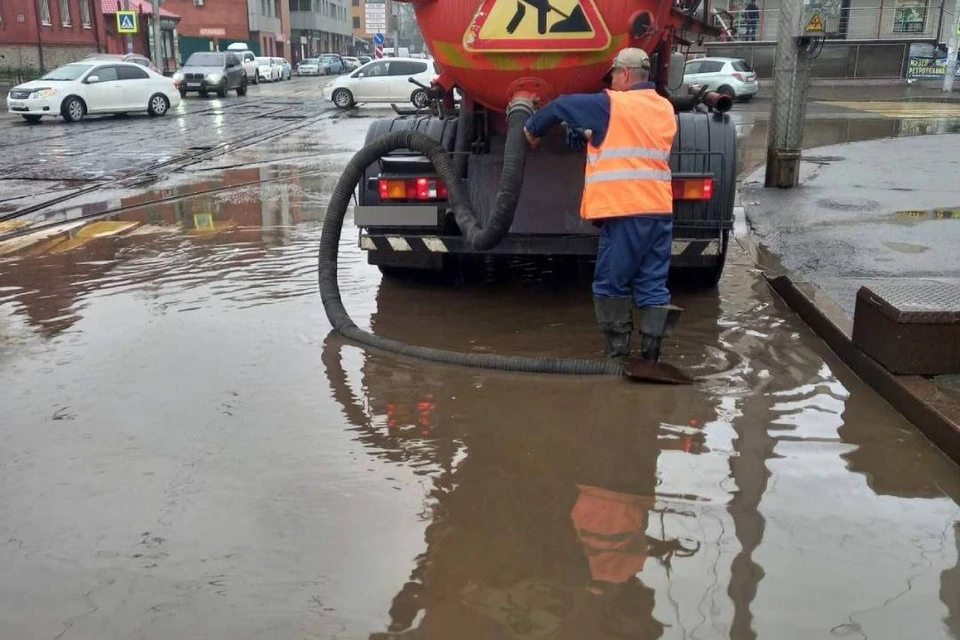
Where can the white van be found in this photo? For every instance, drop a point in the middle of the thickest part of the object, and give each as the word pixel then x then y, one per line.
pixel 249 59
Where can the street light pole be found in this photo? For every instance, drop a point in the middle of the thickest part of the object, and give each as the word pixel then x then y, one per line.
pixel 953 42
pixel 157 35
pixel 791 80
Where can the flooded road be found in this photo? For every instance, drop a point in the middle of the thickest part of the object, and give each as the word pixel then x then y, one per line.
pixel 188 452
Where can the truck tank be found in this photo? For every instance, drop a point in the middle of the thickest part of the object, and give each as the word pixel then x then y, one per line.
pixel 490 49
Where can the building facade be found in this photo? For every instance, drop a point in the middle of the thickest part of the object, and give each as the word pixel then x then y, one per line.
pixel 319 26
pixel 142 41
pixel 269 22
pixel 39 35
pixel 209 25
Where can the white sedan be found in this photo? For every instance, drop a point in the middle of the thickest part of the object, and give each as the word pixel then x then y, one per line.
pixel 89 87
pixel 269 70
pixel 385 80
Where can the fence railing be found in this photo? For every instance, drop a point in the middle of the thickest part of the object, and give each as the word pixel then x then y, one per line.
pixel 856 23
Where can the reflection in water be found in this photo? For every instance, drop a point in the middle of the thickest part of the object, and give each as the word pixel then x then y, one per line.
pixel 595 509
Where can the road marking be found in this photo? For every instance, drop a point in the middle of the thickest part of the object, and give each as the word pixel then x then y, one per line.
pixel 901 110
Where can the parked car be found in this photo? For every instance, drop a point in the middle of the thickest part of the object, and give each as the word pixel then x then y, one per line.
pixel 248 58
pixel 351 63
pixel 207 71
pixel 331 64
pixel 136 58
pixel 385 80
pixel 364 59
pixel 309 67
pixel 286 71
pixel 268 69
pixel 76 90
pixel 729 76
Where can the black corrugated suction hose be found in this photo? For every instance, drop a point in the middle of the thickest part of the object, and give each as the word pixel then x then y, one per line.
pixel 479 237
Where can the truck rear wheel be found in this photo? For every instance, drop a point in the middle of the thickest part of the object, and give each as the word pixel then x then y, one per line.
pixel 706 143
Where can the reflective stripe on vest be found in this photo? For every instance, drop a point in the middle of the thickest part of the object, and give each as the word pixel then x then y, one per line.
pixel 629 174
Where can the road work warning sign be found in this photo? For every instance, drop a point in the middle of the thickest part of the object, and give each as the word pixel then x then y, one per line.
pixel 126 22
pixel 815 24
pixel 536 25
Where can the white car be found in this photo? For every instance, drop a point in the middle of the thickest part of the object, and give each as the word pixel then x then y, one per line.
pixel 384 80
pixel 95 86
pixel 351 63
pixel 249 60
pixel 729 76
pixel 268 69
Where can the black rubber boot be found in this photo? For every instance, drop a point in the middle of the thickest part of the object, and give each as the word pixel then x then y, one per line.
pixel 656 323
pixel 615 317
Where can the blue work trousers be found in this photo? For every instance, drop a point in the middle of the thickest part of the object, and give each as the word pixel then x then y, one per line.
pixel 634 258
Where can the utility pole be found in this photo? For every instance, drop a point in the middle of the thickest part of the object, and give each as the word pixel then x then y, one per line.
pixel 128 37
pixel 157 35
pixel 953 42
pixel 791 80
pixel 395 10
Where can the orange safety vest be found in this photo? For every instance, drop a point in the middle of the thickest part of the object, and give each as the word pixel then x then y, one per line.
pixel 629 173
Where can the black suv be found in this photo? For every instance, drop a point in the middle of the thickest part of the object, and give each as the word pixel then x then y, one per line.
pixel 207 71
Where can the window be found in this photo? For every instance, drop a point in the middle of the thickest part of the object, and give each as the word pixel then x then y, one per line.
pixel 741 65
pixel 356 3
pixel 376 69
pixel 910 16
pixel 232 60
pixel 356 22
pixel 106 74
pixel 131 73
pixel 692 67
pixel 710 66
pixel 65 12
pixel 85 13
pixel 403 68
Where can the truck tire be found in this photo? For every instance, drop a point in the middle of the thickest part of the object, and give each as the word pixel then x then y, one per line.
pixel 706 143
pixel 443 130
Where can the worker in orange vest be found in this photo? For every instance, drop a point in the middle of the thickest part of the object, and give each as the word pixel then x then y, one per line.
pixel 628 134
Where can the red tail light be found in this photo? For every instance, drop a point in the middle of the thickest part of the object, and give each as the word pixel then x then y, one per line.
pixel 739 76
pixel 421 189
pixel 692 188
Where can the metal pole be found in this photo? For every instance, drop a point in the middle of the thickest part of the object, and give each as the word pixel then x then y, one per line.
pixel 128 37
pixel 157 37
pixel 952 50
pixel 395 10
pixel 791 82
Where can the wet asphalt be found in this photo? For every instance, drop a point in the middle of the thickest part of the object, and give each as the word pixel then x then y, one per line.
pixel 186 451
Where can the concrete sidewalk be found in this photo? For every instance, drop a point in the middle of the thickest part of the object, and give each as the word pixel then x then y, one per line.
pixel 866 213
pixel 866 91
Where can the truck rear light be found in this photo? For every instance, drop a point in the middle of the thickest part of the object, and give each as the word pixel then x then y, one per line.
pixel 692 188
pixel 421 189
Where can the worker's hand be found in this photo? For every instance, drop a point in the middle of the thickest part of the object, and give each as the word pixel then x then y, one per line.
pixel 532 140
pixel 576 139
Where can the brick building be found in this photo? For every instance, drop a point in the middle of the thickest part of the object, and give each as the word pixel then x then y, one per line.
pixel 209 25
pixel 39 35
pixel 142 41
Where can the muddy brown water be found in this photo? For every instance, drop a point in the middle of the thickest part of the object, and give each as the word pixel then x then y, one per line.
pixel 188 452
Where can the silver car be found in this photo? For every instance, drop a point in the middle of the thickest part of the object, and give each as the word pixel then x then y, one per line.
pixel 309 67
pixel 729 76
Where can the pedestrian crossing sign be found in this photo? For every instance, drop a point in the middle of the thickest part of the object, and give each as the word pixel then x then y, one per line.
pixel 815 24
pixel 126 22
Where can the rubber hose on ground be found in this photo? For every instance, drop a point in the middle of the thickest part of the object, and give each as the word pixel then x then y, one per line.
pixel 477 236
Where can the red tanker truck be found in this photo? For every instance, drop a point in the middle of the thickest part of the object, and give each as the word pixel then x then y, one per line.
pixel 506 58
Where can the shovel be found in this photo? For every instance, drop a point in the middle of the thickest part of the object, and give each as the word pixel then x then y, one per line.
pixel 649 371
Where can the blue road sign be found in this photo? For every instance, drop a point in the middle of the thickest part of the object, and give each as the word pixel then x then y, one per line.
pixel 378 38
pixel 126 22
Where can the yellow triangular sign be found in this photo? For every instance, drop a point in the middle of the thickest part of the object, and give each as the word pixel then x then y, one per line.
pixel 815 24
